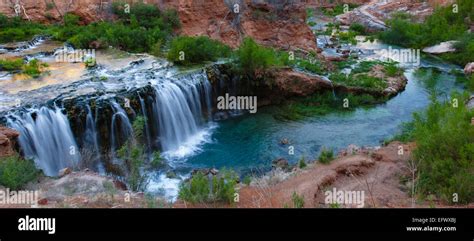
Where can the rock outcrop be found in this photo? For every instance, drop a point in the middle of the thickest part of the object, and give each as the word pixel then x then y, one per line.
pixel 277 25
pixel 8 138
pixel 469 69
pixel 441 48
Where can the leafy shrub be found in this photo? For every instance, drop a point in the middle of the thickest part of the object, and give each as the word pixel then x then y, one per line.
pixel 138 127
pixel 16 172
pixel 252 59
pixel 198 188
pixel 298 201
pixel 17 29
pixel 442 25
pixel 33 68
pixel 247 180
pixel 326 155
pixel 134 157
pixel 194 50
pixel 11 65
pixel 302 163
pixel 445 149
pixel 157 159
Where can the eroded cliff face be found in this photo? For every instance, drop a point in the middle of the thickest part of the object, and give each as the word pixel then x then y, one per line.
pixel 278 24
pixel 281 25
pixel 8 138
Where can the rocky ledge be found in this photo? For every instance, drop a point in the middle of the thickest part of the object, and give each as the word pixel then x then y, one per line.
pixel 8 139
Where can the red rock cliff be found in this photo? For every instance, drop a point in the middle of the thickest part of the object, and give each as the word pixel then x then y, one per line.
pixel 278 24
pixel 7 141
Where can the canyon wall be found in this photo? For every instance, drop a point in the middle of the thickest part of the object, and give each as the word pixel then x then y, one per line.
pixel 277 23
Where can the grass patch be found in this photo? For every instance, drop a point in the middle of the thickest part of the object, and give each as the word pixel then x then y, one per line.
pixel 322 104
pixel 359 80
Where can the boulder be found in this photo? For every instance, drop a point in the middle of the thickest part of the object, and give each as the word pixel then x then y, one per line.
pixel 470 103
pixel 441 48
pixel 280 163
pixel 64 172
pixel 469 69
pixel 8 138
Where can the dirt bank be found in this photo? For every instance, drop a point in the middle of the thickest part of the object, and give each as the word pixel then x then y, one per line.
pixel 383 174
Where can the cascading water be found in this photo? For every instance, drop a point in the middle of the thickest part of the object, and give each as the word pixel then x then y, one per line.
pixel 119 132
pixel 46 137
pixel 145 114
pixel 90 135
pixel 179 111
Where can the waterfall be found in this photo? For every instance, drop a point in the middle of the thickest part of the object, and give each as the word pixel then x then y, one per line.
pixel 145 114
pixel 178 108
pixel 46 137
pixel 90 134
pixel 121 131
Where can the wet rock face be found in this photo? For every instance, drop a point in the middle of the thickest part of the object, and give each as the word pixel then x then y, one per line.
pixel 8 138
pixel 274 86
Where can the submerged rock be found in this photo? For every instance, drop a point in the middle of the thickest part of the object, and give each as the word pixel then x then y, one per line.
pixel 280 163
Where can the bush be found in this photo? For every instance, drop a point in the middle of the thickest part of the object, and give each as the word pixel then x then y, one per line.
pixel 326 156
pixel 138 127
pixel 157 160
pixel 298 201
pixel 198 188
pixel 194 50
pixel 442 25
pixel 252 59
pixel 301 163
pixel 11 65
pixel 17 29
pixel 33 68
pixel 16 172
pixel 445 149
pixel 134 157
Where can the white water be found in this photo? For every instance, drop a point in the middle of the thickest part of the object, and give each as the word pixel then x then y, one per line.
pixel 179 113
pixel 125 129
pixel 47 139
